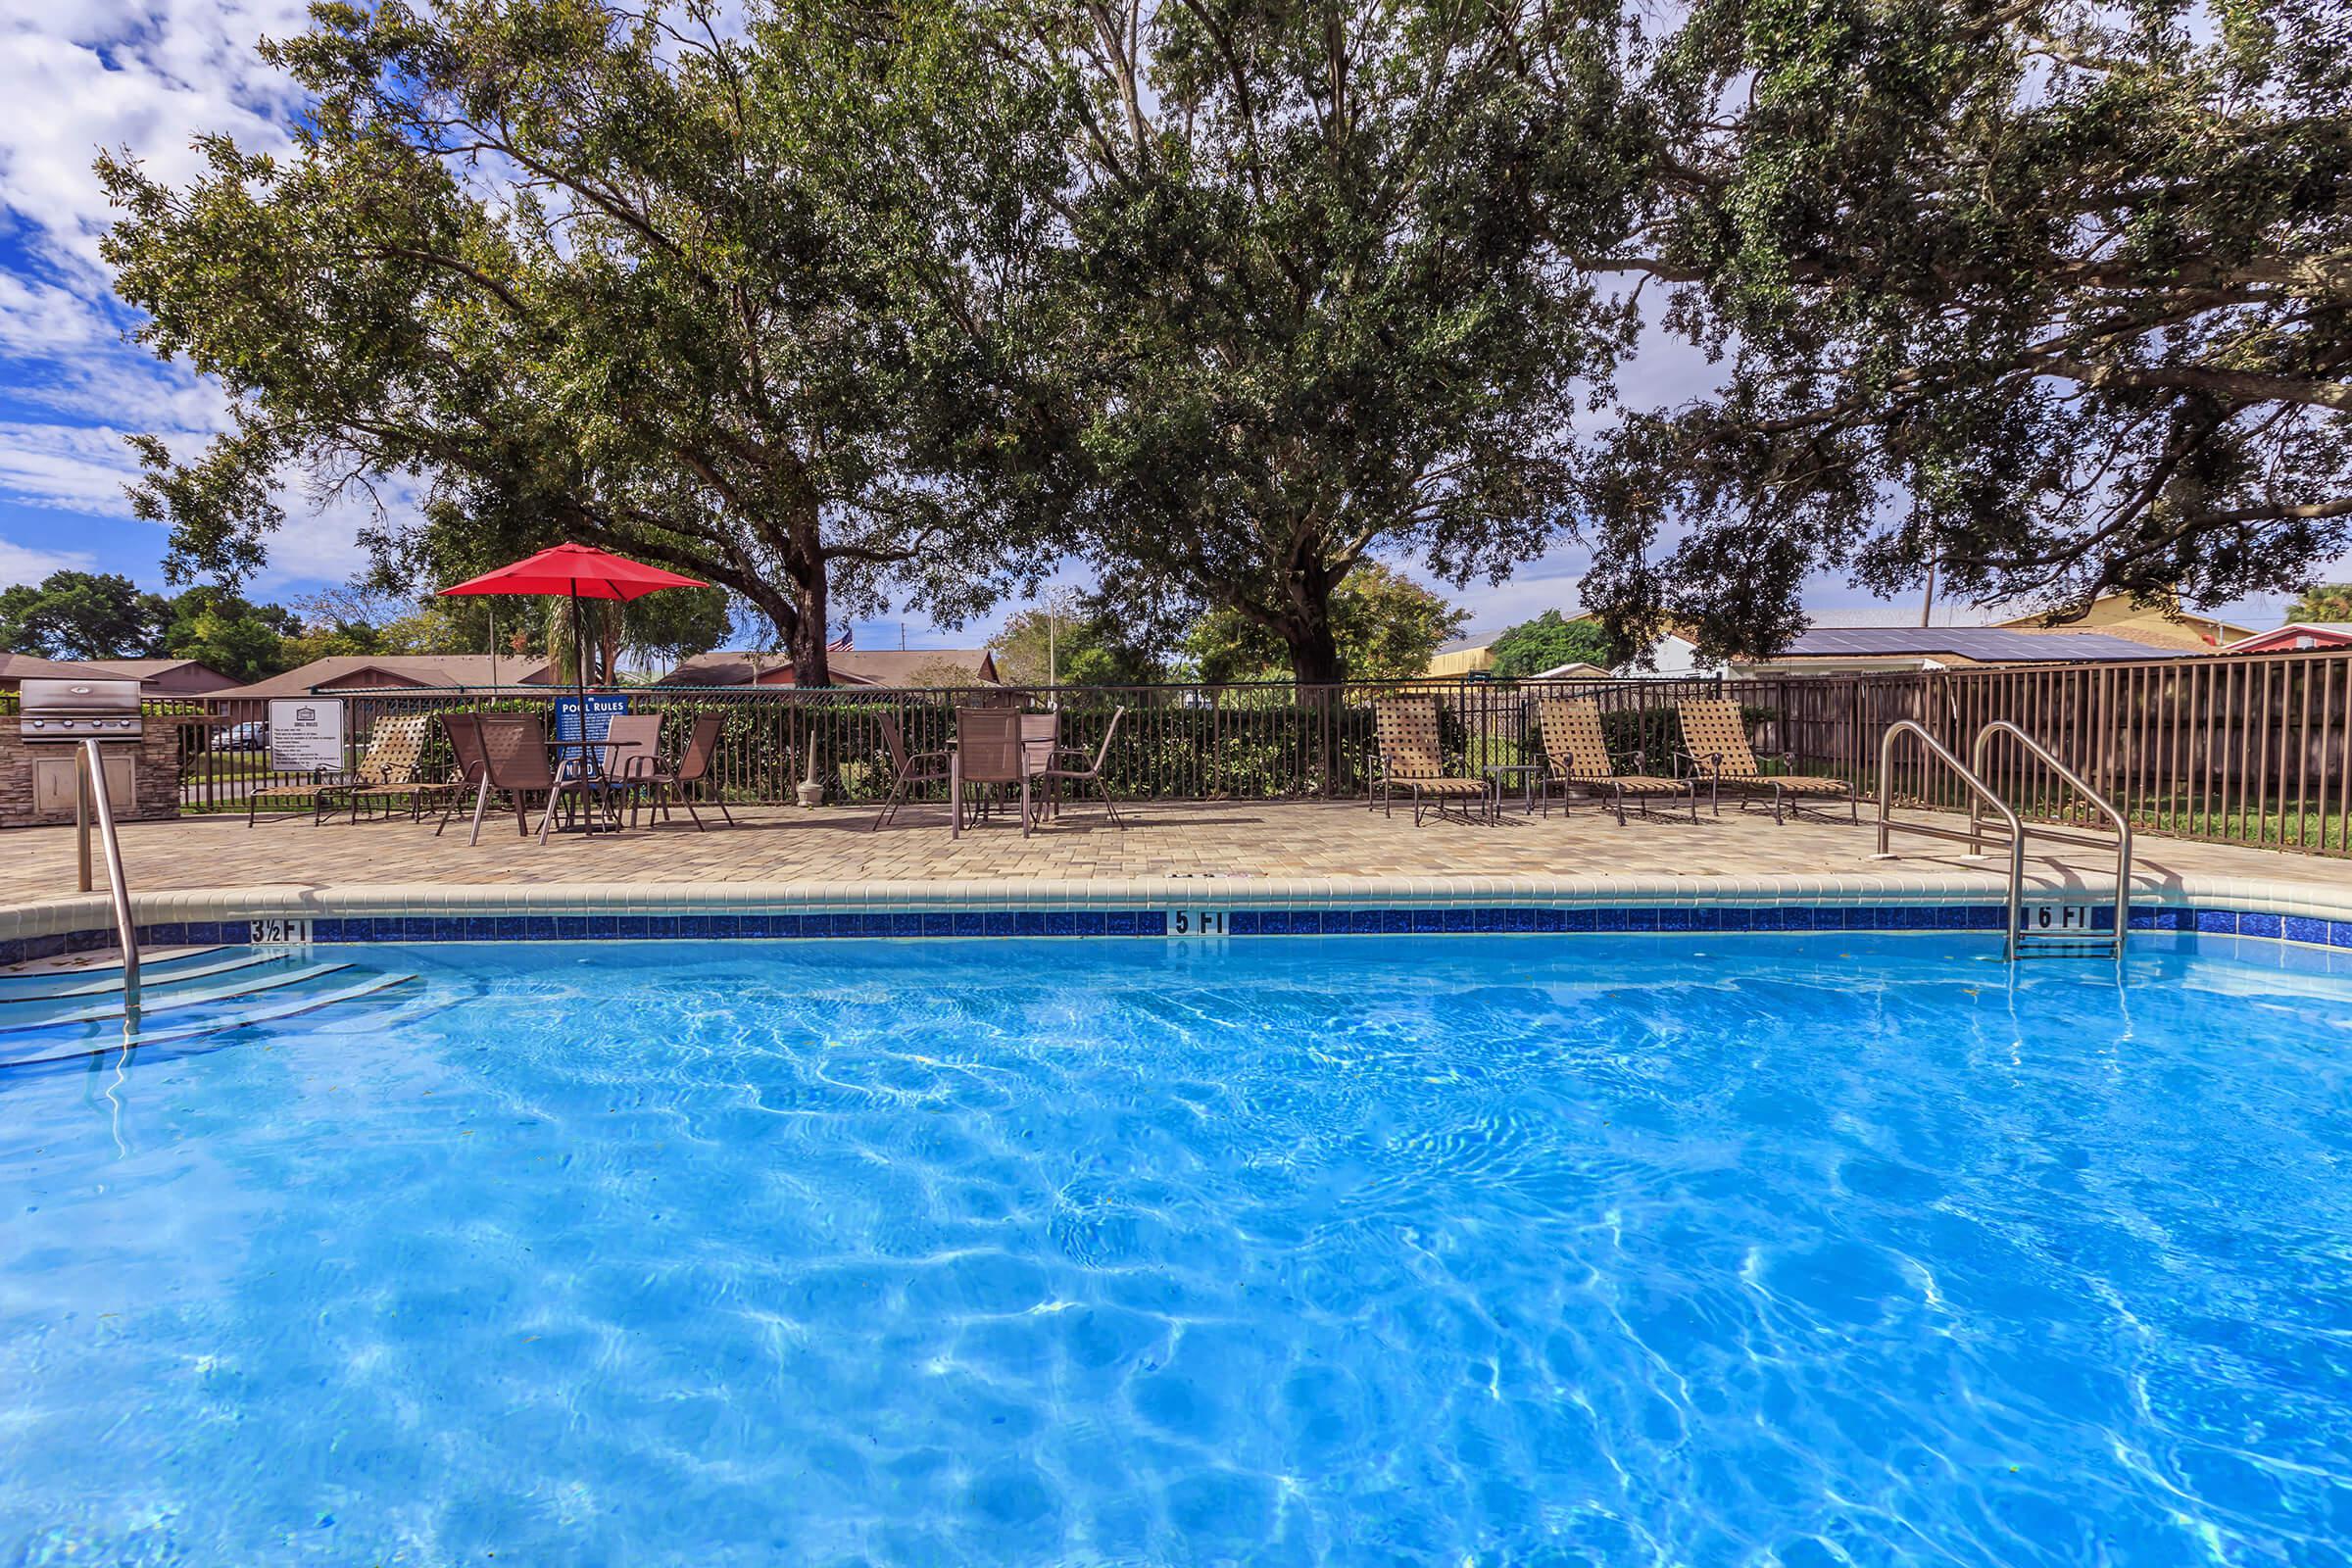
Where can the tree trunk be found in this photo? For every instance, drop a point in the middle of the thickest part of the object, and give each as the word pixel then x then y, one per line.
pixel 805 639
pixel 1314 670
pixel 1307 632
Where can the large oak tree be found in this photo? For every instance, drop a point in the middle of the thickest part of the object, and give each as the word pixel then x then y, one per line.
pixel 722 300
pixel 1321 302
pixel 2050 298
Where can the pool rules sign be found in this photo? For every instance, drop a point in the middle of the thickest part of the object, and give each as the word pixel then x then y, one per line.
pixel 306 734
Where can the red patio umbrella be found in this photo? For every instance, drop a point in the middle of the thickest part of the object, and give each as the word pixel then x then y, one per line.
pixel 583 574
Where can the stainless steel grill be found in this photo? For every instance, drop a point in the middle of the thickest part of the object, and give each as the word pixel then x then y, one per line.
pixel 79 710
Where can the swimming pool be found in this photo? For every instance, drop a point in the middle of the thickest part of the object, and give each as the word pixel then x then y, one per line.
pixel 1833 1249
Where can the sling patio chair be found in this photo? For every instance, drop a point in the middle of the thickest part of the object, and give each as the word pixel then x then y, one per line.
pixel 661 787
pixel 1715 747
pixel 515 763
pixel 1407 758
pixel 1086 772
pixel 1576 757
pixel 465 732
pixel 906 770
pixel 619 766
pixel 990 749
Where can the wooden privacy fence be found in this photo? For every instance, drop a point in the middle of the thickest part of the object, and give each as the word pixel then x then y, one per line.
pixel 2245 750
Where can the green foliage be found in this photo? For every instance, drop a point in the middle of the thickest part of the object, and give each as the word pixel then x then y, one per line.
pixel 2322 602
pixel 661 629
pixel 80 614
pixel 1386 626
pixel 735 313
pixel 1092 645
pixel 230 633
pixel 2051 299
pixel 1319 306
pixel 1547 642
pixel 331 640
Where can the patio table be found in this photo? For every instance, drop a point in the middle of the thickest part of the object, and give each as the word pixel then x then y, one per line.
pixel 600 766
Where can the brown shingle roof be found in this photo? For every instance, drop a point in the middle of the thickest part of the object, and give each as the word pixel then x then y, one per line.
pixel 353 671
pixel 14 667
pixel 851 668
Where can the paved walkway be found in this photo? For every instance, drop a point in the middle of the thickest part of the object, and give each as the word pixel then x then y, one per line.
pixel 1272 839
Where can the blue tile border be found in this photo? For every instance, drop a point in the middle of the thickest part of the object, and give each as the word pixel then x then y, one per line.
pixel 1446 920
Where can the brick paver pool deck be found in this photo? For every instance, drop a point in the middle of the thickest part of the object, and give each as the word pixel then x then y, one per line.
pixel 1288 849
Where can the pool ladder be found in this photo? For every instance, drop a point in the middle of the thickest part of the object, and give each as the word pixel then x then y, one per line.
pixel 2018 942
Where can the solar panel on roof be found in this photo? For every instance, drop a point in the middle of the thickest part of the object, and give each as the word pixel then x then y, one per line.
pixel 1986 644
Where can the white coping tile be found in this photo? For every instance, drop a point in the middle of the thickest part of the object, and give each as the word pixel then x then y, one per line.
pixel 92 911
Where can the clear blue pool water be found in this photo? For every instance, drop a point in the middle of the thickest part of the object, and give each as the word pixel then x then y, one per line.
pixel 1802 1251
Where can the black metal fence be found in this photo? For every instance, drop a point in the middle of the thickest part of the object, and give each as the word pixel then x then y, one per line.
pixel 1257 742
pixel 2251 750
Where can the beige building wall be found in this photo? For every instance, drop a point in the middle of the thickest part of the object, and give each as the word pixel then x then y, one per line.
pixel 1462 661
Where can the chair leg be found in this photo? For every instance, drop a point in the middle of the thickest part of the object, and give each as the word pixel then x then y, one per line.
pixel 890 802
pixel 481 804
pixel 1110 806
pixel 718 798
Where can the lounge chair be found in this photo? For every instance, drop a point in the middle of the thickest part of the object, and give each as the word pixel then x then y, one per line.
pixel 1087 773
pixel 664 786
pixel 906 770
pixel 1405 730
pixel 391 769
pixel 1576 755
pixel 1715 747
pixel 990 749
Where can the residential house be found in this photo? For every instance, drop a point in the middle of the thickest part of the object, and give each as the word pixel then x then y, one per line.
pixel 1889 650
pixel 18 668
pixel 2302 636
pixel 2116 615
pixel 167 677
pixel 1464 655
pixel 363 672
pixel 914 666
pixel 1673 656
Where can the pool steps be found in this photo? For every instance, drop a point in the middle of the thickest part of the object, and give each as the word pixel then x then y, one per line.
pixel 162 999
pixel 98 988
pixel 374 985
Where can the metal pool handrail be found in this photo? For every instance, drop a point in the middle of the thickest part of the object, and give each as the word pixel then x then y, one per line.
pixel 1979 789
pixel 2123 827
pixel 90 790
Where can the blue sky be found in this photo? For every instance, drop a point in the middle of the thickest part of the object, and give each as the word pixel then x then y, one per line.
pixel 151 75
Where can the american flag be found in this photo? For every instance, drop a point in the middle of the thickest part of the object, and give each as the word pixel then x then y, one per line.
pixel 839 644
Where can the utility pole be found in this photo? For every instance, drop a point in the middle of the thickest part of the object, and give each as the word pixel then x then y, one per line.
pixel 1927 606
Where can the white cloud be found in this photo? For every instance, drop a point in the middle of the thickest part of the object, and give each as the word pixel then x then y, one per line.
pixel 107 75
pixel 26 564
pixel 72 468
pixel 150 78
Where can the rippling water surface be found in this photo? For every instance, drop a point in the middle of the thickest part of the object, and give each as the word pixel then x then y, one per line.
pixel 1496 1251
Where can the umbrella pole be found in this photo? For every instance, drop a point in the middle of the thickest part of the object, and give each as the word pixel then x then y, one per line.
pixel 579 686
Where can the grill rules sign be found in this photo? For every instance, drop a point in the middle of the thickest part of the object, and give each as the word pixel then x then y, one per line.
pixel 306 733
